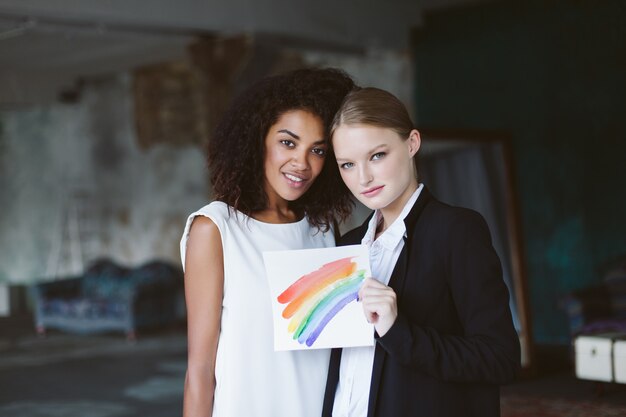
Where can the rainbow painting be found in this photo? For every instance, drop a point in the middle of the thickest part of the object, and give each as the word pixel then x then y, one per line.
pixel 314 294
pixel 315 298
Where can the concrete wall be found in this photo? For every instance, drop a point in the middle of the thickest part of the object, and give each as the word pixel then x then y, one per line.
pixel 74 185
pixel 74 174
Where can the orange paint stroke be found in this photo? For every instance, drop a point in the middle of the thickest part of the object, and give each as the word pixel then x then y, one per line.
pixel 304 282
pixel 317 287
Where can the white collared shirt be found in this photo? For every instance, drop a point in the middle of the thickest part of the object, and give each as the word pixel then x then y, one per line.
pixel 355 371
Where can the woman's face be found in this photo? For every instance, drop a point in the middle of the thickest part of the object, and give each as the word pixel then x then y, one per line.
pixel 377 164
pixel 295 150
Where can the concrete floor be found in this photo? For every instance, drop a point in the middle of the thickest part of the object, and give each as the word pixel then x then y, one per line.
pixel 93 376
pixel 106 376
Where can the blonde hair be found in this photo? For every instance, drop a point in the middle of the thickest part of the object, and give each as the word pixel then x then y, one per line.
pixel 375 107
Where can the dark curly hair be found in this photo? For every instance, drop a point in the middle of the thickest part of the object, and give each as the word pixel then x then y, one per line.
pixel 236 151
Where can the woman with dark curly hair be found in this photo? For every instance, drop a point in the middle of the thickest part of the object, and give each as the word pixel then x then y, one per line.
pixel 276 187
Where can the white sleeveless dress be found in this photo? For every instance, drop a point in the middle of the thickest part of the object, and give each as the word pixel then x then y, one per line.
pixel 252 379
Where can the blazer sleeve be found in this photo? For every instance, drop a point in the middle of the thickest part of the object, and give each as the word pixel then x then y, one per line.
pixel 488 350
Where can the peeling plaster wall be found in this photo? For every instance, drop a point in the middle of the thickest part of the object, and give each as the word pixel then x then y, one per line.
pixel 74 186
pixel 381 68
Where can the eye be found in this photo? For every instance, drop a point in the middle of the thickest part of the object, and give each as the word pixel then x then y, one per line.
pixel 319 151
pixel 288 143
pixel 378 155
pixel 346 165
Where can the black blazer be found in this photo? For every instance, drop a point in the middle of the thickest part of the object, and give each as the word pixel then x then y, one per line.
pixel 453 341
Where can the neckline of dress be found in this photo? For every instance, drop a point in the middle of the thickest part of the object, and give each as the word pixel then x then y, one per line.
pixel 261 222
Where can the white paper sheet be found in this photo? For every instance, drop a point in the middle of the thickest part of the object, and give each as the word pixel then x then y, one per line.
pixel 314 297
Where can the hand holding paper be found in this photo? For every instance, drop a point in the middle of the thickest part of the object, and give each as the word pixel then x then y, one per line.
pixel 379 305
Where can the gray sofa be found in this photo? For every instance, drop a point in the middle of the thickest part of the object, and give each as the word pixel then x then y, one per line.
pixel 110 297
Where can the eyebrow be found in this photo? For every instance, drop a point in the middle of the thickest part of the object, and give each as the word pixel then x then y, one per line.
pixel 293 135
pixel 290 133
pixel 371 151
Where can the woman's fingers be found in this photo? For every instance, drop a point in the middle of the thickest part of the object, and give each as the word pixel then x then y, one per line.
pixel 372 286
pixel 379 304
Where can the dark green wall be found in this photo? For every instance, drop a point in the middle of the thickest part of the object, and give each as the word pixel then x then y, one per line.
pixel 553 75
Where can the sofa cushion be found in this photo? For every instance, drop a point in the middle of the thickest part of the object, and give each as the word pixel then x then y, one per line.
pixel 106 280
pixel 82 308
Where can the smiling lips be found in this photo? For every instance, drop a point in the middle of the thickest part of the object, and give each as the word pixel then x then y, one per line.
pixel 294 180
pixel 371 192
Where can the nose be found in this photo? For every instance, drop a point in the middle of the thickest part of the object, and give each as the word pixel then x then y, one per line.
pixel 300 160
pixel 365 176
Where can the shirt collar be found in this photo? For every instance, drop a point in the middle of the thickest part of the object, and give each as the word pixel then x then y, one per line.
pixel 394 233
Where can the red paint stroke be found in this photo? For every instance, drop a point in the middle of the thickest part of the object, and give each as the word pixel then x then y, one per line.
pixel 306 281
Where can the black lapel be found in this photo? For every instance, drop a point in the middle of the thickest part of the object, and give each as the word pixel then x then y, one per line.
pixel 398 276
pixel 331 382
pixel 397 280
pixel 379 360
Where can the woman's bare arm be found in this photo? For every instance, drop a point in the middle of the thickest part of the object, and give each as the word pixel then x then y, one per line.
pixel 204 288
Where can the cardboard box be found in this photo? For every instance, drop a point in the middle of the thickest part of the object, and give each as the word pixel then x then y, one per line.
pixel 594 356
pixel 619 360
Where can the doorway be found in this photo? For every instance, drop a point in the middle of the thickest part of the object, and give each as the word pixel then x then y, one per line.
pixel 474 170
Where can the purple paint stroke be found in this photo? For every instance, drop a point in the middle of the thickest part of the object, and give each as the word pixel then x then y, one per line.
pixel 332 313
pixel 317 314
